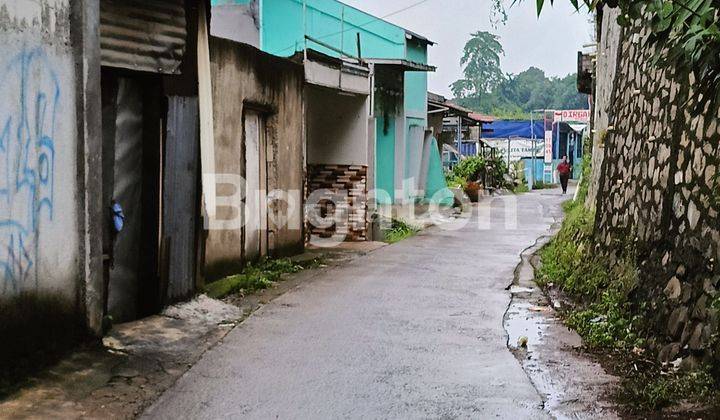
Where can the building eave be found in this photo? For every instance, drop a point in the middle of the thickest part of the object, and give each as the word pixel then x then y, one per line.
pixel 405 65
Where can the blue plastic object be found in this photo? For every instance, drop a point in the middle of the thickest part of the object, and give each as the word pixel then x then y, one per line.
pixel 118 217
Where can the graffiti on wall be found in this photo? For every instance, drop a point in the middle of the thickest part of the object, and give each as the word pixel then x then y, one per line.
pixel 29 102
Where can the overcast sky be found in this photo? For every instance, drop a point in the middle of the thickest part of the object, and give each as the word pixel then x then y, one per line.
pixel 550 42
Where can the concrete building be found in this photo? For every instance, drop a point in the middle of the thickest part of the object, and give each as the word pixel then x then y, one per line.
pixel 397 61
pixel 100 169
pixel 46 151
pixel 259 140
pixel 339 146
pixel 457 129
pixel 106 125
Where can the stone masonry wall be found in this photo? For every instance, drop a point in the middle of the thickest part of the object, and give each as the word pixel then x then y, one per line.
pixel 345 197
pixel 657 192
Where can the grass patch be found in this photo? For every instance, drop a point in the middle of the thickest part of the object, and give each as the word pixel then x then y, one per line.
pixel 400 230
pixel 608 318
pixel 258 276
pixel 604 314
pixel 653 391
pixel 521 188
pixel 542 185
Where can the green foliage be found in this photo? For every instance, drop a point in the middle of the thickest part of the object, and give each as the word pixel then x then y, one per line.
pixel 686 34
pixel 516 95
pixel 455 181
pixel 565 261
pixel 400 230
pixel 471 169
pixel 652 391
pixel 603 317
pixel 481 65
pixel 542 185
pixel 480 169
pixel 586 176
pixel 486 89
pixel 498 14
pixel 256 277
pixel 606 316
pixel 608 323
pixel 521 188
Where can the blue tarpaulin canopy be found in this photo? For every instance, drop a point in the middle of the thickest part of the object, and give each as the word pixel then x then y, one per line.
pixel 513 128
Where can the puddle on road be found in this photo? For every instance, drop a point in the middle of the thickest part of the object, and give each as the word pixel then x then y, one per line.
pixel 522 320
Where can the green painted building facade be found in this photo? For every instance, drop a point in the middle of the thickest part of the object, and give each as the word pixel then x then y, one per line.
pixel 284 25
pixel 287 27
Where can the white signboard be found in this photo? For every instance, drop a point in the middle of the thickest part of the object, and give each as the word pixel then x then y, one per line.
pixel 548 146
pixel 573 115
pixel 519 148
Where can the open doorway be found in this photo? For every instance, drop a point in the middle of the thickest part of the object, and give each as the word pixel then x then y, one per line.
pixel 133 131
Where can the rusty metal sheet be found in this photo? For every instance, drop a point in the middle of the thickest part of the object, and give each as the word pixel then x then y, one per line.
pixel 147 35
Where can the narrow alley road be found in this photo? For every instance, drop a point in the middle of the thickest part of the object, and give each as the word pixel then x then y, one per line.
pixel 412 330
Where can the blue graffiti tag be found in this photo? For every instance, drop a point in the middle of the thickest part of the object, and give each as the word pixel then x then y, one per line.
pixel 29 102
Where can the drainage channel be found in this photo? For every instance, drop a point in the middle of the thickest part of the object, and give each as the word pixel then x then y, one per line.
pixel 572 385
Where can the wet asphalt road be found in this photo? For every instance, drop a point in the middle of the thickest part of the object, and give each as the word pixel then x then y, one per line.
pixel 413 330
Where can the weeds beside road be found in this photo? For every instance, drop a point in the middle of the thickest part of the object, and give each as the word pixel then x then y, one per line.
pixel 613 324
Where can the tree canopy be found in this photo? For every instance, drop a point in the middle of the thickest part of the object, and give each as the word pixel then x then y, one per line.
pixel 486 89
pixel 481 65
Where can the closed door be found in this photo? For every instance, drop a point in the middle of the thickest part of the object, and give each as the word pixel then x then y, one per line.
pixel 180 198
pixel 256 220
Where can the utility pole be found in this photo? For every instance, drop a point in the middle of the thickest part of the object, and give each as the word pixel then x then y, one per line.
pixel 531 178
pixel 459 136
pixel 508 155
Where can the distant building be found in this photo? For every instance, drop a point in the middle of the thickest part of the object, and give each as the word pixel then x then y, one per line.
pixel 447 119
pixel 554 138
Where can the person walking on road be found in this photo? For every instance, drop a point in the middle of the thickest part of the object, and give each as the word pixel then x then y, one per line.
pixel 564 170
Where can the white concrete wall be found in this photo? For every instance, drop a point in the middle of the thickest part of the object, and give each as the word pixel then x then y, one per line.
pixel 337 127
pixel 39 239
pixel 237 22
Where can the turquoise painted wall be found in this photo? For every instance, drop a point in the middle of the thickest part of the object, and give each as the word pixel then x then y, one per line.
pixel 333 23
pixel 436 189
pixel 385 159
pixel 282 32
pixel 413 152
pixel 416 82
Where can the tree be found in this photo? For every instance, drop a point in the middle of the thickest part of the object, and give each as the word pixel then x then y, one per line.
pixel 529 90
pixel 481 66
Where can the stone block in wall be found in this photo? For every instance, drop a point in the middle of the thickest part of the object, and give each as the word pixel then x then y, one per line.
pixel 345 197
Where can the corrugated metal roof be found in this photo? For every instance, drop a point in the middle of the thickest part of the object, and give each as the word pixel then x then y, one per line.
pixel 146 35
